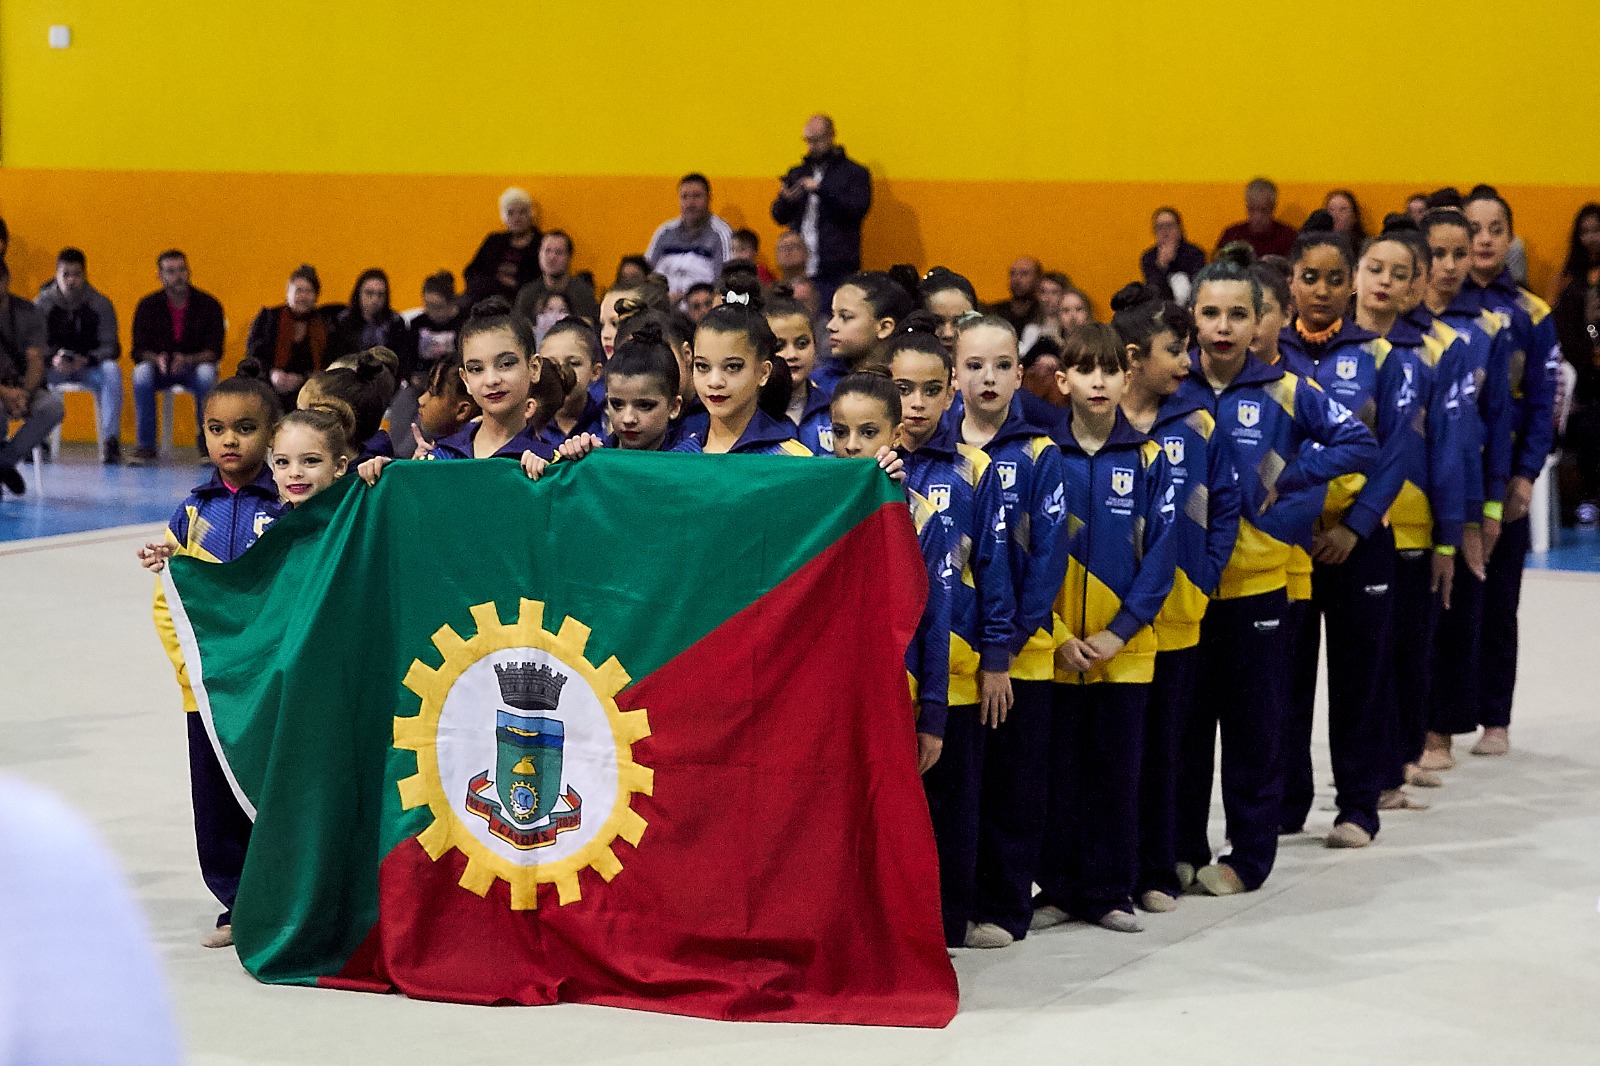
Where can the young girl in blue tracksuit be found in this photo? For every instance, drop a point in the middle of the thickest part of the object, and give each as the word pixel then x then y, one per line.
pixel 573 343
pixel 1428 518
pixel 866 424
pixel 1121 568
pixel 1534 359
pixel 1389 388
pixel 502 371
pixel 1163 401
pixel 1288 439
pixel 809 397
pixel 1027 465
pixel 734 354
pixel 959 484
pixel 218 522
pixel 1483 339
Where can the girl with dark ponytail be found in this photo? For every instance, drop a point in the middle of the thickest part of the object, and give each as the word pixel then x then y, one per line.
pixel 1286 437
pixel 867 308
pixel 502 374
pixel 1166 401
pixel 957 486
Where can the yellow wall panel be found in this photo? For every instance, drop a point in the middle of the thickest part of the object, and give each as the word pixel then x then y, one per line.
pixel 1049 90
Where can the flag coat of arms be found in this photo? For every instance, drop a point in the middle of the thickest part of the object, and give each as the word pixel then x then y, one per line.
pixel 629 735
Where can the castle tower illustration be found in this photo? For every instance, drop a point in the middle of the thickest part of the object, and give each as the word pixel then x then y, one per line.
pixel 528 745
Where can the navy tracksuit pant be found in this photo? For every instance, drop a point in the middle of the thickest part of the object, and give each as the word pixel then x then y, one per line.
pixel 1243 686
pixel 221 827
pixel 1357 598
pixel 1416 617
pixel 1171 696
pixel 1457 642
pixel 952 787
pixel 1090 859
pixel 1502 596
pixel 1015 791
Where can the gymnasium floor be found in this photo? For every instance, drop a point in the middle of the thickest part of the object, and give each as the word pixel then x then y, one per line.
pixel 1467 934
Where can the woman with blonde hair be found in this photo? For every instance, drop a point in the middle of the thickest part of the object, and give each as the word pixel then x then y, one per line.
pixel 507 259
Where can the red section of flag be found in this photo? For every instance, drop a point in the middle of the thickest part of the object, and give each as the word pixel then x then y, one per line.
pixel 788 872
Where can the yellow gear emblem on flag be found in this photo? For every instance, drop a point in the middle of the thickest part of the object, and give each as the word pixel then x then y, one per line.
pixel 448 759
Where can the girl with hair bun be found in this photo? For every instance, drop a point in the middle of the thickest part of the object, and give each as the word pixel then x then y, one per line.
pixel 1163 399
pixel 1375 365
pixel 1286 436
pixel 1535 359
pixel 867 308
pixel 956 485
pixel 990 416
pixel 311 449
pixel 502 373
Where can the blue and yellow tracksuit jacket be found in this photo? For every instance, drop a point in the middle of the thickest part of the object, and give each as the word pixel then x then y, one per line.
pixel 1388 382
pixel 1482 361
pixel 815 430
pixel 958 486
pixel 764 435
pixel 1028 466
pixel 1120 566
pixel 1288 439
pixel 1205 497
pixel 928 655
pixel 1535 357
pixel 216 525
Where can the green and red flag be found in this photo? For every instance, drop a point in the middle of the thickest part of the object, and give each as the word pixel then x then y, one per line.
pixel 635 734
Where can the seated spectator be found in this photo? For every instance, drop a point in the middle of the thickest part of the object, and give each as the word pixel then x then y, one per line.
pixel 1170 265
pixel 551 308
pixel 22 392
pixel 1261 229
pixel 692 247
pixel 507 259
pixel 699 300
pixel 747 245
pixel 790 256
pixel 1417 206
pixel 631 271
pixel 177 339
pixel 368 321
pixel 1075 309
pixel 291 340
pixel 81 341
pixel 1341 205
pixel 1023 306
pixel 1053 287
pixel 1577 316
pixel 431 338
pixel 555 264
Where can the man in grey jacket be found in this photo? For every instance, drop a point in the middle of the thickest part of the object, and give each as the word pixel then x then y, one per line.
pixel 81 344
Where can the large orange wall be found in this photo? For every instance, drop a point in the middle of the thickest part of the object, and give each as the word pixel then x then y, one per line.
pixel 245 232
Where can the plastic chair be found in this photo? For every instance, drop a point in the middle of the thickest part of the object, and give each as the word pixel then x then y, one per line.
pixel 55 434
pixel 166 396
pixel 38 456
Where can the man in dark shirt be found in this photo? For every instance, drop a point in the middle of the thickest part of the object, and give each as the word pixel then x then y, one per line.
pixel 22 392
pixel 824 199
pixel 177 339
pixel 1023 306
pixel 81 344
pixel 1260 229
pixel 555 265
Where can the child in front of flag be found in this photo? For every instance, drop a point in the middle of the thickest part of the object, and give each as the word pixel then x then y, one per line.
pixel 809 397
pixel 1119 513
pixel 1027 465
pixel 734 359
pixel 642 398
pixel 515 389
pixel 217 522
pixel 957 485
pixel 311 449
pixel 865 423
pixel 572 343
